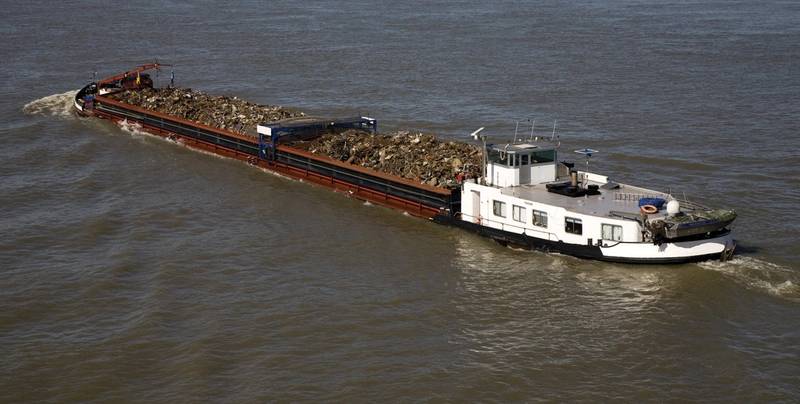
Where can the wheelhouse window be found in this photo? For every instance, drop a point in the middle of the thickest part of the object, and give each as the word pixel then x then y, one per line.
pixel 498 157
pixel 518 213
pixel 524 159
pixel 499 208
pixel 539 218
pixel 544 156
pixel 612 232
pixel 572 225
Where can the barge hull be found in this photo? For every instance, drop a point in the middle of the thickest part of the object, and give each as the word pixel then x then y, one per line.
pixel 382 189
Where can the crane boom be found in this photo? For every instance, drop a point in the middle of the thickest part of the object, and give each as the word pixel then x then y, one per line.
pixel 138 69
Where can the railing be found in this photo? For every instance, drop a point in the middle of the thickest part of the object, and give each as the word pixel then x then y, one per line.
pixel 505 227
pixel 691 205
pixel 631 197
pixel 182 129
pixel 624 196
pixel 367 181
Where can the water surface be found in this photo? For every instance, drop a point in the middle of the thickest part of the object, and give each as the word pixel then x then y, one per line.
pixel 135 269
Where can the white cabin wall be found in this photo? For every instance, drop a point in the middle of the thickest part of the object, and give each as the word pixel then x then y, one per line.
pixel 502 176
pixel 592 225
pixel 466 199
pixel 597 178
pixel 542 173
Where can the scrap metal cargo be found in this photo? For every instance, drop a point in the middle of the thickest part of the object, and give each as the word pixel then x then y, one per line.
pixel 229 126
pixel 415 156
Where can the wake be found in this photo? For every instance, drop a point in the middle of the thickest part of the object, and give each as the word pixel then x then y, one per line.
pixel 759 275
pixel 58 105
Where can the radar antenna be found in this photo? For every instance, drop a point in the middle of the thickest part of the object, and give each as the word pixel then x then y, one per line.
pixel 477 136
pixel 588 153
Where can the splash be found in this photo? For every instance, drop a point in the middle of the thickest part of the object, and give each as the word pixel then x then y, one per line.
pixel 133 128
pixel 759 275
pixel 58 105
pixel 136 131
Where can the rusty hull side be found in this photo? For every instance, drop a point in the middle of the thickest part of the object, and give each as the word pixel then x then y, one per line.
pixel 354 190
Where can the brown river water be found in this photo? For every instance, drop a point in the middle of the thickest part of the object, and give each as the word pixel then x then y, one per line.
pixel 134 269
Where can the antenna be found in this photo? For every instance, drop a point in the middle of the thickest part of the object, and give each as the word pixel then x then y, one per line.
pixel 475 135
pixel 533 125
pixel 588 153
pixel 515 132
pixel 554 130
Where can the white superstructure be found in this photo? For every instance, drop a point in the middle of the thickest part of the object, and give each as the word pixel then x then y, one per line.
pixel 579 213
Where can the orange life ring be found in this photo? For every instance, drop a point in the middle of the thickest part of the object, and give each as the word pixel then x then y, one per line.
pixel 649 209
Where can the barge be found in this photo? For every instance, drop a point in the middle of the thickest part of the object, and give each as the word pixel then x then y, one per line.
pixel 525 196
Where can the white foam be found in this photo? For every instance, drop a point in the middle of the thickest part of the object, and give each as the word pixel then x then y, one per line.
pixel 759 275
pixel 59 105
pixel 134 128
pixel 277 174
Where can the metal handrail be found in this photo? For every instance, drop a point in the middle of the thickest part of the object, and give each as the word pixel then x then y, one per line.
pixel 691 205
pixel 625 196
pixel 181 128
pixel 503 227
pixel 436 201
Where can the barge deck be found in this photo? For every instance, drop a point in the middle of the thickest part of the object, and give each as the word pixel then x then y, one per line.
pixel 265 151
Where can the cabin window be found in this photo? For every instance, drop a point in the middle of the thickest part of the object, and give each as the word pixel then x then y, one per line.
pixel 499 208
pixel 572 225
pixel 544 156
pixel 494 156
pixel 612 232
pixel 518 213
pixel 524 159
pixel 539 218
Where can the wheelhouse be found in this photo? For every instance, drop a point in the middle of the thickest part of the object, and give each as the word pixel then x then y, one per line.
pixel 520 164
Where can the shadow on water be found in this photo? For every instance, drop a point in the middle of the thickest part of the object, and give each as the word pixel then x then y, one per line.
pixel 747 249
